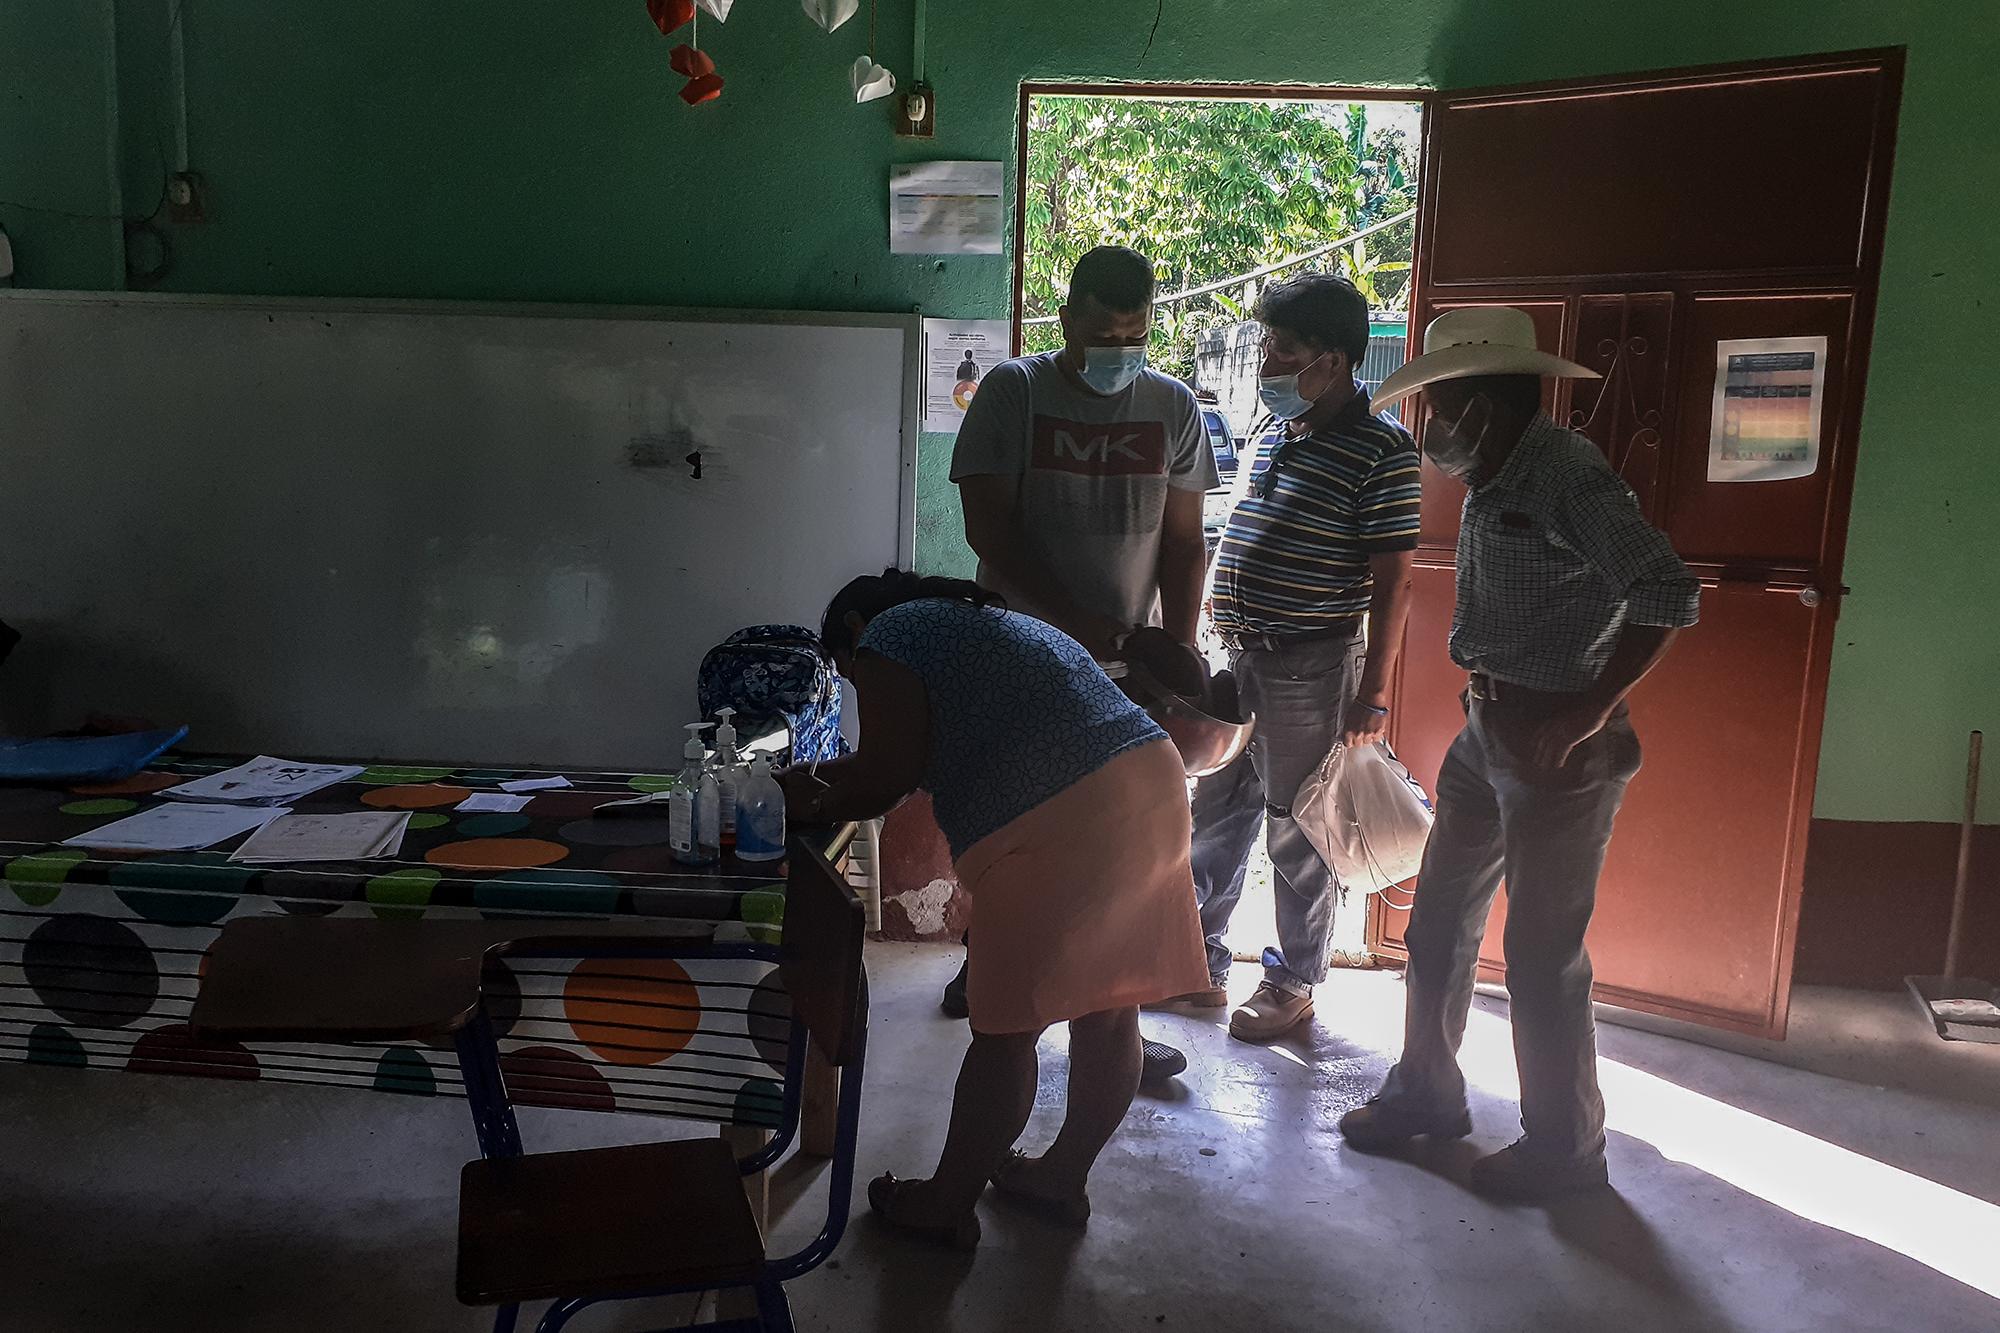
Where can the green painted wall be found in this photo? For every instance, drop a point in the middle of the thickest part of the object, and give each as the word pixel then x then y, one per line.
pixel 514 149
pixel 57 103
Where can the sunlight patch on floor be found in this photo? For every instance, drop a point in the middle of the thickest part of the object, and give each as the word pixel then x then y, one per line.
pixel 1939 1227
pixel 1822 1182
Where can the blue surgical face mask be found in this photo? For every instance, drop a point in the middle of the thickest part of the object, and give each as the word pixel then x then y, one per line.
pixel 1109 370
pixel 1281 393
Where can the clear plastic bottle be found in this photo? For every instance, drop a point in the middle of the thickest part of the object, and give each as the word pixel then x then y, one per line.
pixel 729 773
pixel 708 820
pixel 694 824
pixel 760 821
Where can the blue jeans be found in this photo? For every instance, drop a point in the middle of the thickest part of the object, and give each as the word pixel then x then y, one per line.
pixel 1300 694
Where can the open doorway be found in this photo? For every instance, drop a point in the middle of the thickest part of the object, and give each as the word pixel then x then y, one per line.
pixel 1226 190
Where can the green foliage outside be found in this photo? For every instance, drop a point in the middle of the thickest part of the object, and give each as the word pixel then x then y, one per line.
pixel 1208 190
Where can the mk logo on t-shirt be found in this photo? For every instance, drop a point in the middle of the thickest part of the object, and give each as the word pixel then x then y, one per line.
pixel 1096 449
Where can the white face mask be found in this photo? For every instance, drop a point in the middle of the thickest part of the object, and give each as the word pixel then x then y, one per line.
pixel 1281 395
pixel 1455 448
pixel 1108 370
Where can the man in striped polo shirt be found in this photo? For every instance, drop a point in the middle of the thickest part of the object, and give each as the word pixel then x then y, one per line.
pixel 1321 545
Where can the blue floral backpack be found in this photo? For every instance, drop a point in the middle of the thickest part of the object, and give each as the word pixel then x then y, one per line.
pixel 773 674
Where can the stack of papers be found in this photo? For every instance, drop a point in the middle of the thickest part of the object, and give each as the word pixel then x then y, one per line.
pixel 175 828
pixel 535 784
pixel 265 781
pixel 493 802
pixel 633 804
pixel 295 837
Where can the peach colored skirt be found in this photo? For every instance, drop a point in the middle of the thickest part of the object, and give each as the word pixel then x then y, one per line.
pixel 1086 902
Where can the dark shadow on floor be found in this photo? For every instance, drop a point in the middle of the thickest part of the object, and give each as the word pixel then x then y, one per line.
pixel 918 1280
pixel 790 1181
pixel 1604 1225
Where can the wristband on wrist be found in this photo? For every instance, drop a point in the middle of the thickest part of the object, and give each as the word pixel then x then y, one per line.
pixel 1379 712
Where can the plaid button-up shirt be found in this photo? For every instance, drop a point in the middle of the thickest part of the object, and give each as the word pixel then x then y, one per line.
pixel 1554 559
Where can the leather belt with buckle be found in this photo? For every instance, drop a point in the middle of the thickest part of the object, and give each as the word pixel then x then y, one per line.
pixel 1491 691
pixel 1272 643
pixel 1506 694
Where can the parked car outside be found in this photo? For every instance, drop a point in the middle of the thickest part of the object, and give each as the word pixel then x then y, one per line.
pixel 1219 437
pixel 1216 504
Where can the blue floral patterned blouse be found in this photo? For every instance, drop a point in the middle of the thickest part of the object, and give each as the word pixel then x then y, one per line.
pixel 1019 712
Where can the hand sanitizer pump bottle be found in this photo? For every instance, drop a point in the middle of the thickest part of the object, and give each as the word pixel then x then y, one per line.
pixel 694 815
pixel 760 823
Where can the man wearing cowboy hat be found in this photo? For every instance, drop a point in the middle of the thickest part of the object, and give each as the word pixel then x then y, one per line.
pixel 1567 597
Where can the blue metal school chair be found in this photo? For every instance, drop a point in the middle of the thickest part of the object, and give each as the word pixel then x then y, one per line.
pixel 659 1219
pixel 645 1220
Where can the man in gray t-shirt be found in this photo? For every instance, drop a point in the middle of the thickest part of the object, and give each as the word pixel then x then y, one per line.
pixel 1082 472
pixel 1082 475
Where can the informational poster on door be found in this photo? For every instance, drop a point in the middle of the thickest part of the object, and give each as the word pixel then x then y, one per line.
pixel 958 353
pixel 1766 417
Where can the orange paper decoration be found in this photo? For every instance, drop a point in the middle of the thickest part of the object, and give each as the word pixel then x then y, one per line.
pixel 669 14
pixel 689 63
pixel 704 89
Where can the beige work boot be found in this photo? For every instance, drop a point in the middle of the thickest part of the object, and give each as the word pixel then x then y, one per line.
pixel 1270 1013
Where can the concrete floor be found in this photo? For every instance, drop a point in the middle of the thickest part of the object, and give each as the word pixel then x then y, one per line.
pixel 1853 1187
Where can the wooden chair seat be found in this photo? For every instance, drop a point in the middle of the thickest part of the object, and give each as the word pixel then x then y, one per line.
pixel 605 1221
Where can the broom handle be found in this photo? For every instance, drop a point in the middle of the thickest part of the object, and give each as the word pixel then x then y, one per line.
pixel 1953 939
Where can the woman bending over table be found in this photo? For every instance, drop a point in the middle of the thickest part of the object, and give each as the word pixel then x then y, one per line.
pixel 1066 810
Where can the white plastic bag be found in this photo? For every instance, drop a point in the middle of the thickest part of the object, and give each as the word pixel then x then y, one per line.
pixel 1366 816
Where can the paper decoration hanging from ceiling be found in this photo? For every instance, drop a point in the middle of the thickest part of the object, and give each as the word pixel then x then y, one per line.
pixel 669 14
pixel 704 88
pixel 698 68
pixel 719 8
pixel 689 63
pixel 830 14
pixel 871 81
pixel 687 60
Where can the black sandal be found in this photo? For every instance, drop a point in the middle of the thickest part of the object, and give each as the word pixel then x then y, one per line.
pixel 885 1196
pixel 1073 1211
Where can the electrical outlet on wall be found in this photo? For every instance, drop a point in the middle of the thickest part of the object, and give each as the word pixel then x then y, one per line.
pixel 915 112
pixel 185 198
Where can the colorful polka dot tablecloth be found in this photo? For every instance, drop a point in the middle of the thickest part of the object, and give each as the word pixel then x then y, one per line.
pixel 101 952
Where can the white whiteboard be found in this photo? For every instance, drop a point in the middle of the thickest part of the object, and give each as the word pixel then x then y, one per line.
pixel 429 530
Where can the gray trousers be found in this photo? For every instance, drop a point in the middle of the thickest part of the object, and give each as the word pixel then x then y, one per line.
pixel 1544 832
pixel 1299 693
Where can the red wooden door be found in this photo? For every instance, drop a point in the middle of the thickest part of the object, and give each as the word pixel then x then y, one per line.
pixel 1642 221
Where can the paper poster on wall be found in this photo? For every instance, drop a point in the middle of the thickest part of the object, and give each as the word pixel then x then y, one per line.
pixel 958 353
pixel 1765 422
pixel 945 208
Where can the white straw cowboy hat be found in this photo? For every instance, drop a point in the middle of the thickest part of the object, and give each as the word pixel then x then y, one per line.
pixel 1478 340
